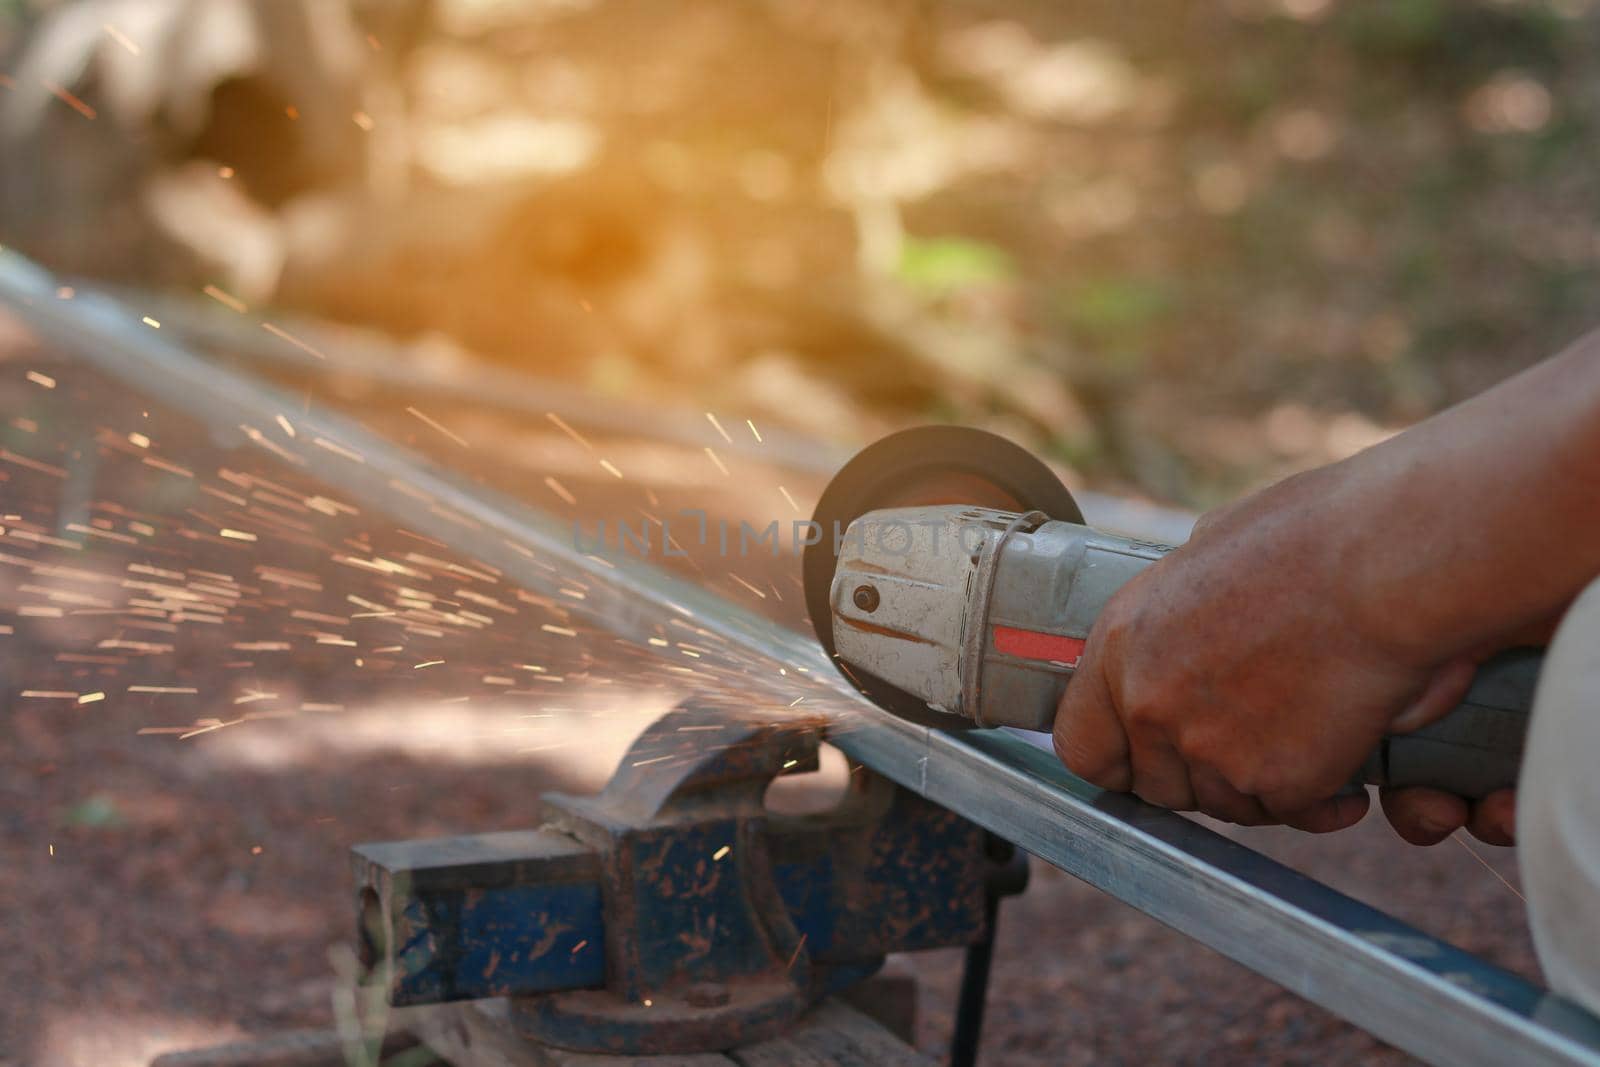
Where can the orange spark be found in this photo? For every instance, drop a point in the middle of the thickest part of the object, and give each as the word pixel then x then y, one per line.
pixel 748 586
pixel 457 438
pixel 227 300
pixel 561 491
pixel 60 93
pixel 568 430
pixel 121 38
pixel 284 335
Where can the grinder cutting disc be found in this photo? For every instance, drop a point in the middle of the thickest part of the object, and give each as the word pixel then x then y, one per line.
pixel 921 466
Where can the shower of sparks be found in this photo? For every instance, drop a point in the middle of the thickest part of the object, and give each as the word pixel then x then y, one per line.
pixel 457 438
pixel 722 852
pixel 561 425
pixel 227 300
pixel 713 420
pixel 61 93
pixel 753 431
pixel 152 323
pixel 611 468
pixel 789 498
pixel 121 38
pixel 717 460
pixel 284 335
pixel 561 491
pixel 326 596
pixel 41 379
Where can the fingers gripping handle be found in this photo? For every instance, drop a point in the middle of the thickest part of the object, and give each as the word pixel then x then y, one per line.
pixel 1477 748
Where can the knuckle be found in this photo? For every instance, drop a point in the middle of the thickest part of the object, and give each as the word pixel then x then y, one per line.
pixel 1153 709
pixel 1091 762
pixel 1253 777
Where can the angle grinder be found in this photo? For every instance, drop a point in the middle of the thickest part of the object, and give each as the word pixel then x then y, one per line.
pixel 955 584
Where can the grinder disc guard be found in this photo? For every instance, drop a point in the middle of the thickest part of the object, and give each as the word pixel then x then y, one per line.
pixel 924 465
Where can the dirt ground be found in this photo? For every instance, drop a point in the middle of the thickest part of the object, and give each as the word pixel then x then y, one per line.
pixel 166 892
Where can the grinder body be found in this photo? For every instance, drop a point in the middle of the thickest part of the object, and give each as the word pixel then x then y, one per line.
pixel 984 614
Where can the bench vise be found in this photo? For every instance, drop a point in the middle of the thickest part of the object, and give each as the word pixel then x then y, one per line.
pixel 673 912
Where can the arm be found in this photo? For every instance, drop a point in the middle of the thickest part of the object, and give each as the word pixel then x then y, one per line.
pixel 1248 673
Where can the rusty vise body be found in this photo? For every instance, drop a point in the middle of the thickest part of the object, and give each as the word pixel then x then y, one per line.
pixel 673 912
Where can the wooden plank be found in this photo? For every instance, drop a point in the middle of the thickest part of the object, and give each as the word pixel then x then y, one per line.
pixel 479 1034
pixel 832 1035
pixel 292 1048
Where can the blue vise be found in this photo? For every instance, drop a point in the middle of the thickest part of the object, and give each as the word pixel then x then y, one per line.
pixel 673 912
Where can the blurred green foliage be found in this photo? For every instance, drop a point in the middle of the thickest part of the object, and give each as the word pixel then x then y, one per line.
pixel 1116 316
pixel 939 266
pixel 98 812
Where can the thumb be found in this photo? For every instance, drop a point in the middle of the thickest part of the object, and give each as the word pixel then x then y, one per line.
pixel 1088 735
pixel 1445 689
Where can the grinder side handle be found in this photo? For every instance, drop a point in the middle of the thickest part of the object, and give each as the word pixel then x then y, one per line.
pixel 1477 748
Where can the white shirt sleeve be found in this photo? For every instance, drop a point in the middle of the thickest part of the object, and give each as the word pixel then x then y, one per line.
pixel 1558 807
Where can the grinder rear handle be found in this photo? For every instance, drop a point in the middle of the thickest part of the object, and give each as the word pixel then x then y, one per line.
pixel 1477 747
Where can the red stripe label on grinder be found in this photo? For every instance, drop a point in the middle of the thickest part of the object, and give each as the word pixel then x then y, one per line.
pixel 1031 644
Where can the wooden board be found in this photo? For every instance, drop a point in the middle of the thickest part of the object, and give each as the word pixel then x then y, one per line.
pixel 479 1034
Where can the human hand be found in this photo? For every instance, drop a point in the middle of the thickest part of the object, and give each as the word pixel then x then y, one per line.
pixel 1245 676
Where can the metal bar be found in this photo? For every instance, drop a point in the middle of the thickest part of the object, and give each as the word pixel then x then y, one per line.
pixel 1412 990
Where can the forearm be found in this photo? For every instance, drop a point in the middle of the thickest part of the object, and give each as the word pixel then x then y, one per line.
pixel 1482 520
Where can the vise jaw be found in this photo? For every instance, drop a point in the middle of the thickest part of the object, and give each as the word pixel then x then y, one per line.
pixel 673 913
